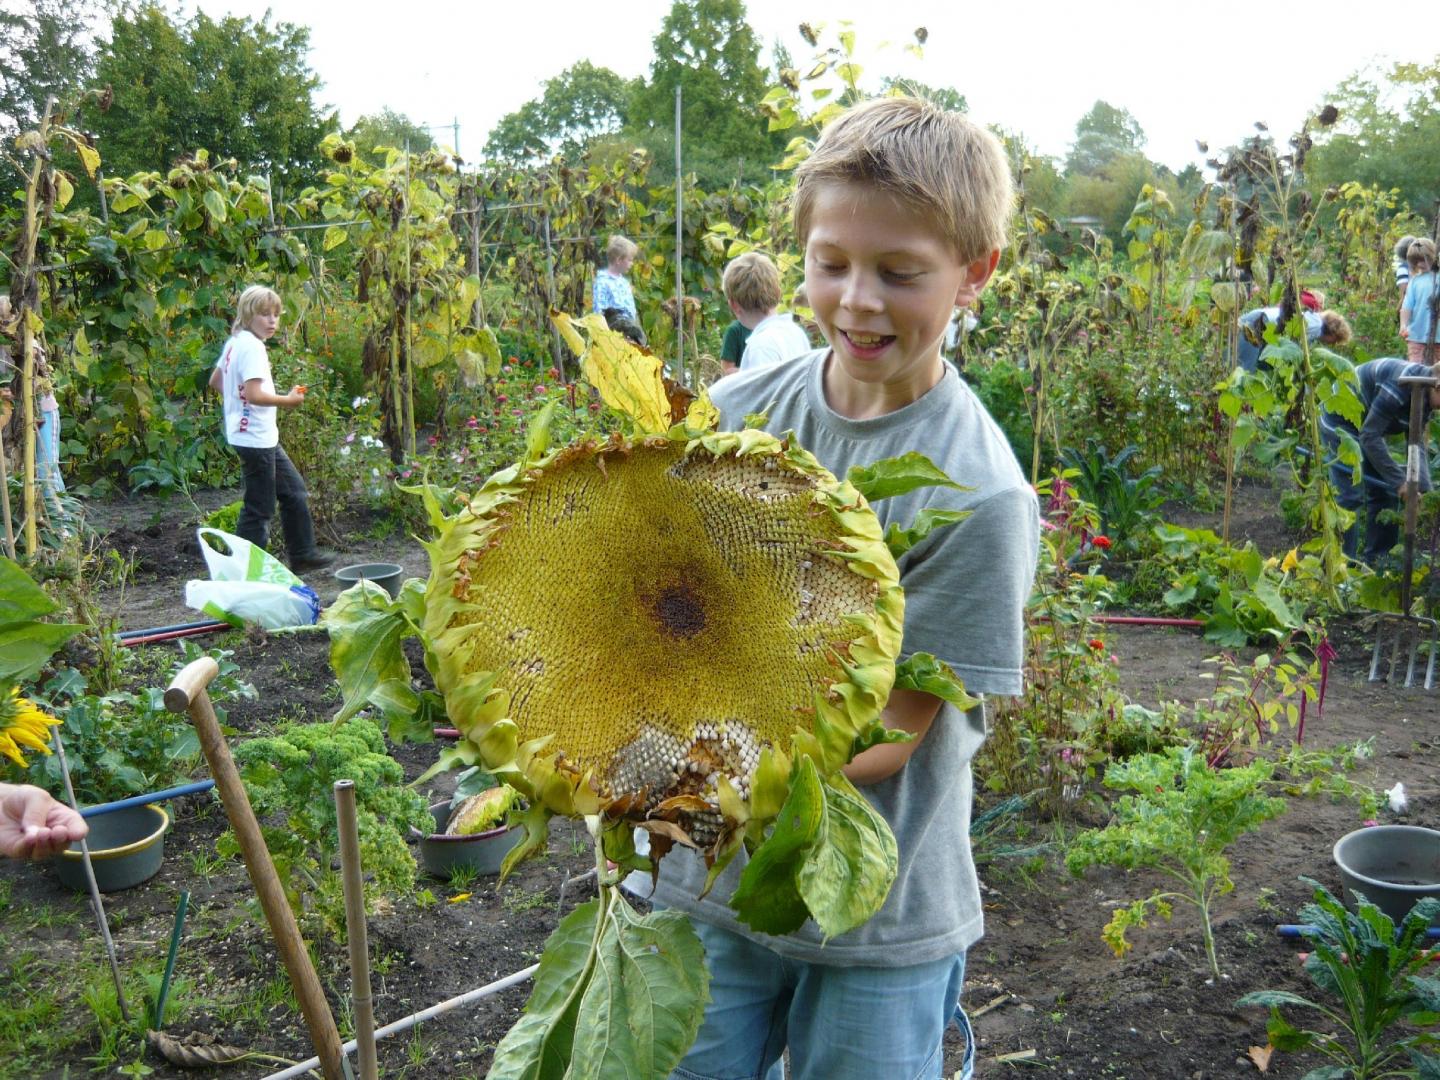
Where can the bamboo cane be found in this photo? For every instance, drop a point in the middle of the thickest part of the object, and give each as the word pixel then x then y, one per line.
pixel 26 270
pixel 355 930
pixel 187 694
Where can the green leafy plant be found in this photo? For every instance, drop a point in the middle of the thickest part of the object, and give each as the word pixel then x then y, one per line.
pixel 126 742
pixel 1182 819
pixel 1378 974
pixel 292 775
pixel 1125 502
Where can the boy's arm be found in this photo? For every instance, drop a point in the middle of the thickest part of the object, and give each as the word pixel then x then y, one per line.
pixel 256 394
pixel 727 368
pixel 908 710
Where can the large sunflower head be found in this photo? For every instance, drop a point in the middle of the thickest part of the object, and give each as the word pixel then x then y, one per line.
pixel 655 627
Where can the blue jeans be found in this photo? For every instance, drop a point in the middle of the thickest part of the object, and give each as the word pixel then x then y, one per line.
pixel 840 1023
pixel 1372 494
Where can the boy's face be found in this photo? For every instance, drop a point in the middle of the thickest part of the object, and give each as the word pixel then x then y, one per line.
pixel 883 285
pixel 264 324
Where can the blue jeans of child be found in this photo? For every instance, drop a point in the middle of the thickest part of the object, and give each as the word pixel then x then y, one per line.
pixel 840 1023
pixel 1372 495
pixel 270 477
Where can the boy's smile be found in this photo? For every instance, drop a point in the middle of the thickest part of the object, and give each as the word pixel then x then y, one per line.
pixel 882 283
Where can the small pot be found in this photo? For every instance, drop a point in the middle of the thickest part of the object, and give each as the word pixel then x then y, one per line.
pixel 1394 866
pixel 385 574
pixel 126 847
pixel 484 852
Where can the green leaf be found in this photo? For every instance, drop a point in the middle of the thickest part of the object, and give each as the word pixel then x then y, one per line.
pixel 768 895
pixel 900 540
pixel 334 237
pixel 538 1046
pixel 646 998
pixel 921 671
pixel 25 642
pixel 20 598
pixel 366 628
pixel 898 475
pixel 215 206
pixel 851 864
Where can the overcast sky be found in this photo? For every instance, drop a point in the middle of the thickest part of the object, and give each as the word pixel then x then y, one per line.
pixel 1199 71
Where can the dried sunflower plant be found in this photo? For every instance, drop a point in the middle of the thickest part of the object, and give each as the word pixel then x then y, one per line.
pixel 675 629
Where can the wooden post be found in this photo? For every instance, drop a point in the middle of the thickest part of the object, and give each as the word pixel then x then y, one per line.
pixel 355 931
pixel 187 694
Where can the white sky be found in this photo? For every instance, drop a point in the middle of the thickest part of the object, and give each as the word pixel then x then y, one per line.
pixel 1197 71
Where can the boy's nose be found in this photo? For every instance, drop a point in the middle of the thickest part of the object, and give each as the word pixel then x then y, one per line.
pixel 859 294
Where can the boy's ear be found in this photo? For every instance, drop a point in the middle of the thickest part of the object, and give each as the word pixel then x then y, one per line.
pixel 977 275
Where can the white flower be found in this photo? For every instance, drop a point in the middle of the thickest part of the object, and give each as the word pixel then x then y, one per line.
pixel 344 451
pixel 379 445
pixel 1396 795
pixel 359 401
pixel 375 473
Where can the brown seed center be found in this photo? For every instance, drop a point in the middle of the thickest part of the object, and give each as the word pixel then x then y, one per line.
pixel 679 611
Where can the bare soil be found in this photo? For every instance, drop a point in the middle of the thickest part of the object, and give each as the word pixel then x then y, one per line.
pixel 1047 989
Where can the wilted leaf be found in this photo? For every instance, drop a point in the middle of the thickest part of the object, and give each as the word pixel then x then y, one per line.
pixel 1260 1055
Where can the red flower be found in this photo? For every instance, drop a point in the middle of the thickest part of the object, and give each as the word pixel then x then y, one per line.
pixel 501 399
pixel 1096 644
pixel 1101 542
pixel 555 373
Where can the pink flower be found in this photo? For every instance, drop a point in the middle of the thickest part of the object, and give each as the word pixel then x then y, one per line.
pixel 433 440
pixel 472 423
pixel 501 399
pixel 350 437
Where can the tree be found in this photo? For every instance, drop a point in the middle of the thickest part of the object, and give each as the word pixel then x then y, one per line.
pixel 706 48
pixel 238 88
pixel 947 97
pixel 1379 140
pixel 1102 135
pixel 387 128
pixel 44 51
pixel 581 104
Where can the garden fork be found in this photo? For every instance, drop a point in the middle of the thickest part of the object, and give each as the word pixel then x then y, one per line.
pixel 1404 629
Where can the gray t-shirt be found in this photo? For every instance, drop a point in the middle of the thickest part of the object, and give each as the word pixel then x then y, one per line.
pixel 965 592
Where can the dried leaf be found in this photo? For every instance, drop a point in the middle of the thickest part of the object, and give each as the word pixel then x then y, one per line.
pixel 198 1050
pixel 1260 1055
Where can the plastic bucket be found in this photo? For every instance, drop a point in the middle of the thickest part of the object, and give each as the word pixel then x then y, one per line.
pixel 1393 866
pixel 481 852
pixel 384 574
pixel 126 847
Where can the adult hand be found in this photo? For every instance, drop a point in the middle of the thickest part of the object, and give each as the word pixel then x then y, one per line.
pixel 33 824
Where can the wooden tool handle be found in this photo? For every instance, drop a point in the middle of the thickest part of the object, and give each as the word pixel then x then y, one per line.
pixel 187 694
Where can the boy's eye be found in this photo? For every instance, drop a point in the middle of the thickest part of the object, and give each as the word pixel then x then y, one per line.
pixel 902 277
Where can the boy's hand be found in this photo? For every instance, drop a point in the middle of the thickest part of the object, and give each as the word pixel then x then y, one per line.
pixel 296 395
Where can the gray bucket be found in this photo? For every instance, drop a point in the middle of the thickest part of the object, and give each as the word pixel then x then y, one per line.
pixel 126 848
pixel 384 574
pixel 483 852
pixel 1394 866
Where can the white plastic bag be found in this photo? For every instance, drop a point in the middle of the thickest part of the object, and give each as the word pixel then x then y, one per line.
pixel 248 584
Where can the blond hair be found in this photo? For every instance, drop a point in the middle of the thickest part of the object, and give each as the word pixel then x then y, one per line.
pixel 256 300
pixel 941 164
pixel 1420 249
pixel 752 282
pixel 617 247
pixel 1334 328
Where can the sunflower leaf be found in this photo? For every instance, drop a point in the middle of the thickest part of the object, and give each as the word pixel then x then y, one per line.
pixel 851 865
pixel 26 643
pixel 768 897
pixel 898 475
pixel 900 540
pixel 921 671
pixel 366 629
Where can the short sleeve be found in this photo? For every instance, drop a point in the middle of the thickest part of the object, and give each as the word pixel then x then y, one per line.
pixel 966 587
pixel 250 360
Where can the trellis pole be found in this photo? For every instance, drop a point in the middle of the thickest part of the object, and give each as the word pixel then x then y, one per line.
pixel 555 350
pixel 24 296
pixel 679 249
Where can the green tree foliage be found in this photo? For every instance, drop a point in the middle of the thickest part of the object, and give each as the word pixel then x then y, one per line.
pixel 1103 135
pixel 582 103
pixel 1388 134
pixel 947 97
pixel 44 51
pixel 708 49
pixel 387 128
pixel 238 88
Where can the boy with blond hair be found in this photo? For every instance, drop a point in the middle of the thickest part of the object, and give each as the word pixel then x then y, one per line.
pixel 752 287
pixel 1415 309
pixel 902 211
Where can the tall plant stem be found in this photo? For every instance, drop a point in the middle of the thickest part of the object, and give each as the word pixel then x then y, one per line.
pixel 22 295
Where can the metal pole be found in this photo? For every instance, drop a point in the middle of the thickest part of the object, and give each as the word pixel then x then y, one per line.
pixel 456 126
pixel 355 932
pixel 555 350
pixel 679 249
pixel 90 879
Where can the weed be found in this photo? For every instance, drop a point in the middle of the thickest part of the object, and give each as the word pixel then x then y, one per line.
pixel 462 876
pixel 517 900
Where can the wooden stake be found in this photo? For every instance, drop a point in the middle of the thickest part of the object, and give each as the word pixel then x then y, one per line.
pixel 5 499
pixel 355 930
pixel 187 694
